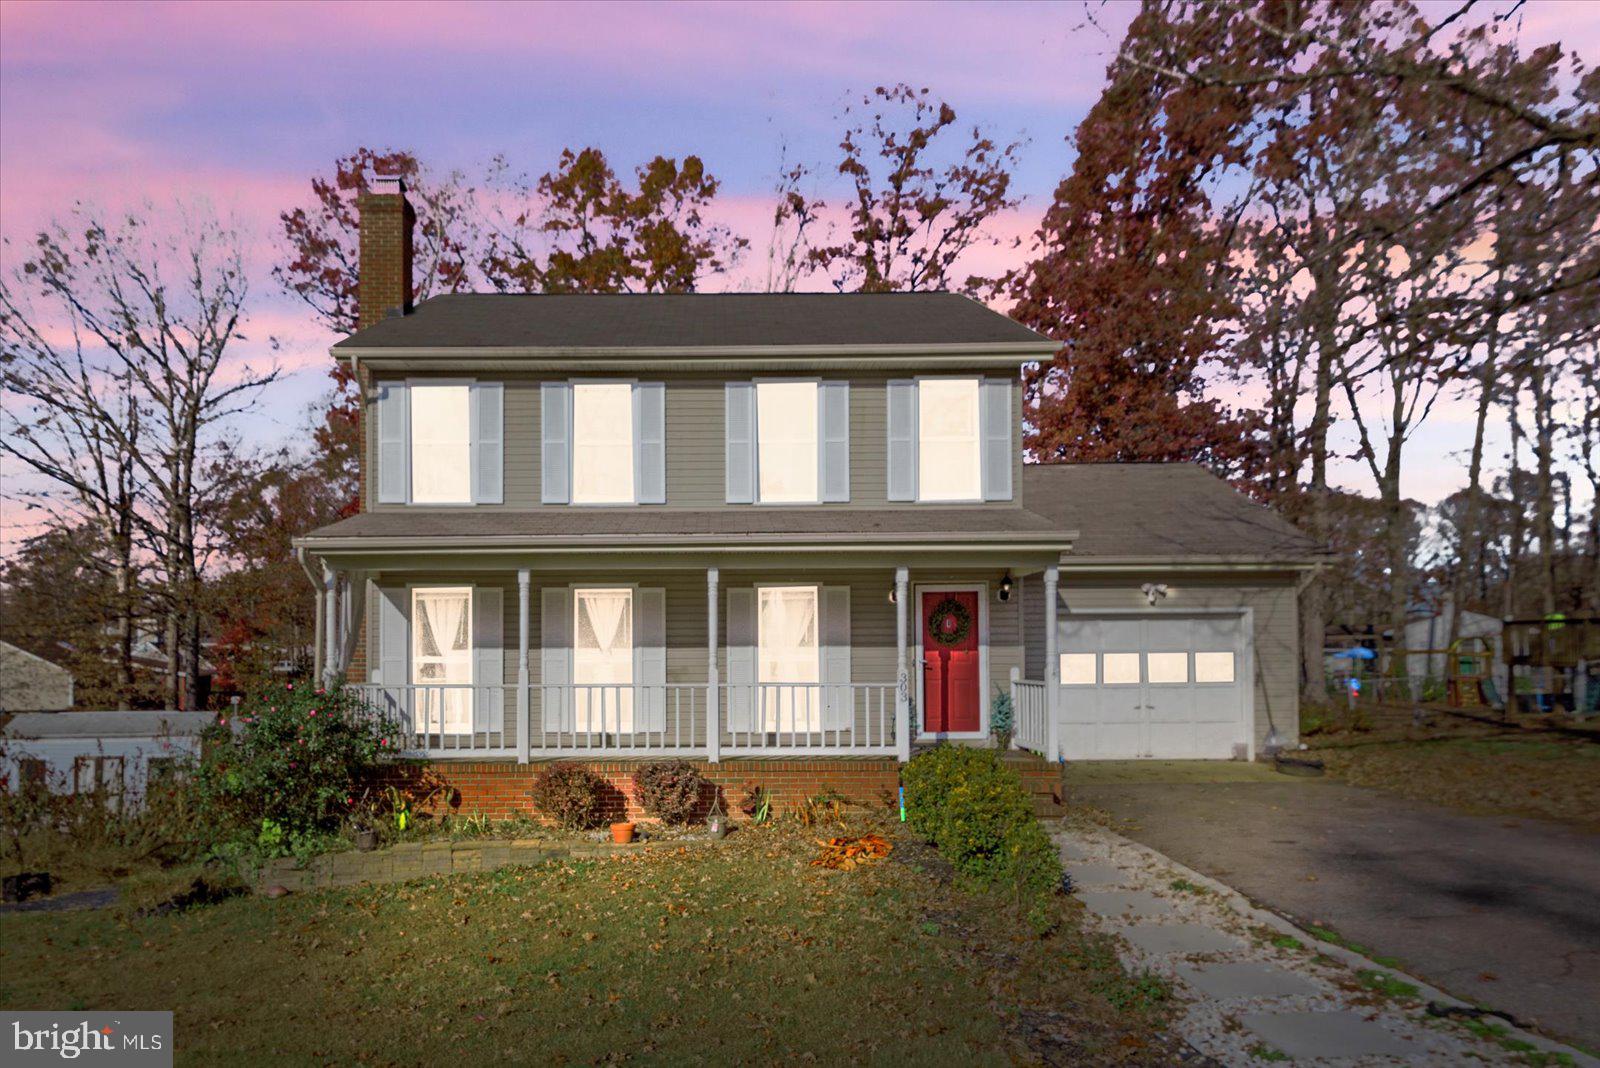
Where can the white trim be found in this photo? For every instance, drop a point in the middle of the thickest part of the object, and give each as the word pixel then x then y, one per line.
pixel 982 590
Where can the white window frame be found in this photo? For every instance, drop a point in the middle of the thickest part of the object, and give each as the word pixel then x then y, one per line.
pixel 573 385
pixel 573 589
pixel 412 385
pixel 470 695
pixel 755 417
pixel 977 385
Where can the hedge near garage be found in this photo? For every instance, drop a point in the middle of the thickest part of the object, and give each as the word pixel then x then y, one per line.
pixel 976 813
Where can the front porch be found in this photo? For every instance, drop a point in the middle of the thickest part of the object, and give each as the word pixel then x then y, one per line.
pixel 692 674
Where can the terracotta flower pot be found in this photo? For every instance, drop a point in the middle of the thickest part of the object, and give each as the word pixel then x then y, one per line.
pixel 622 833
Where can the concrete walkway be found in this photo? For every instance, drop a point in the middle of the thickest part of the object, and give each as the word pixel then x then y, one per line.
pixel 1255 988
pixel 1502 912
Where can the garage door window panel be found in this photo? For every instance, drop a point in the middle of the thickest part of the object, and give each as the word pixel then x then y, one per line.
pixel 1167 669
pixel 1214 668
pixel 1121 669
pixel 1078 669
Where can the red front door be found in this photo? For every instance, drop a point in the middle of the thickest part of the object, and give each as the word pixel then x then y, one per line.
pixel 950 694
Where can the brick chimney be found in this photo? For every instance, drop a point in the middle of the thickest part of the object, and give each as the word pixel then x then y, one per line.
pixel 384 283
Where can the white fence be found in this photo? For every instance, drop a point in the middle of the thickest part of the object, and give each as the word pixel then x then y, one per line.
pixel 1030 712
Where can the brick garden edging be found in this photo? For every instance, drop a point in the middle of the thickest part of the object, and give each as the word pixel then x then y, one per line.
pixel 414 860
pixel 501 789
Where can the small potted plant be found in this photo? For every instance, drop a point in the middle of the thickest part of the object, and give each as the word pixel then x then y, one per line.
pixel 622 832
pixel 1001 719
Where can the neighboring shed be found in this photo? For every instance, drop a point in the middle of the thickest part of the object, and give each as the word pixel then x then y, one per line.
pixel 114 753
pixel 31 683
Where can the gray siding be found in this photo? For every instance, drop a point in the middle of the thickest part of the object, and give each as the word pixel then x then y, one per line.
pixel 872 623
pixel 695 432
pixel 1276 654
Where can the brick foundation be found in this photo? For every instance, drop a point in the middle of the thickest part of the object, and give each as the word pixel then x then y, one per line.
pixel 500 789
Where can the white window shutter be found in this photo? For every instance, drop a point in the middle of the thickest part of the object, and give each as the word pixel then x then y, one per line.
pixel 994 415
pixel 838 709
pixel 555 442
pixel 555 657
pixel 741 658
pixel 488 658
pixel 394 443
pixel 488 443
pixel 650 660
pixel 833 404
pixel 902 439
pixel 740 408
pixel 650 442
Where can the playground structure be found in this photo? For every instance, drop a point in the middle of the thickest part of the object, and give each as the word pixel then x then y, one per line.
pixel 1545 665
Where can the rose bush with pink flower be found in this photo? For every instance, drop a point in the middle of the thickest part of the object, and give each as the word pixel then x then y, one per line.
pixel 291 756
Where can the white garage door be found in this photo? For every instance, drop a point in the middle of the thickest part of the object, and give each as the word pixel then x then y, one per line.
pixel 1164 687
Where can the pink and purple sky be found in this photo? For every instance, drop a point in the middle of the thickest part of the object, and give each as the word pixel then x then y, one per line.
pixel 240 103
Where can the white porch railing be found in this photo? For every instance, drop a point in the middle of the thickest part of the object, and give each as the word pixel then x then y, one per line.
pixel 791 718
pixel 1030 711
pixel 453 720
pixel 773 719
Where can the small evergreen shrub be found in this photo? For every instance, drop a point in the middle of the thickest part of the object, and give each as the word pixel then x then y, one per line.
pixel 570 794
pixel 974 809
pixel 670 790
pixel 287 764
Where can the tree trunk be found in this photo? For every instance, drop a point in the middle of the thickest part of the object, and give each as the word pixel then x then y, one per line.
pixel 1314 599
pixel 1544 480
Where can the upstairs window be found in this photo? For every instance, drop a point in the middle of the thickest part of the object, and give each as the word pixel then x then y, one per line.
pixel 602 443
pixel 441 444
pixel 786 442
pixel 949 458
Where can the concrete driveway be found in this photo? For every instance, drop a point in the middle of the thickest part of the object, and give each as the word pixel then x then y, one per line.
pixel 1500 911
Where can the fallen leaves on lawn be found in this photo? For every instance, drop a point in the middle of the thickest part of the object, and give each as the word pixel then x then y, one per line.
pixel 843 854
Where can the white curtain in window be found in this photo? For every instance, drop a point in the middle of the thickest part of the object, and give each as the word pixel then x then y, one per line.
pixel 602 443
pixel 949 454
pixel 603 660
pixel 788 652
pixel 441 444
pixel 441 656
pixel 786 435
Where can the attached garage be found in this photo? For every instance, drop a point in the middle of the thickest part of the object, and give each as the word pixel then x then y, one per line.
pixel 1155 685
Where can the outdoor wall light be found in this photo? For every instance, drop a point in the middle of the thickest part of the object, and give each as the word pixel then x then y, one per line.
pixel 1004 592
pixel 1153 591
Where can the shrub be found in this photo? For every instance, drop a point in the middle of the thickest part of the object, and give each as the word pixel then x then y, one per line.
pixel 289 765
pixel 670 790
pixel 974 809
pixel 570 794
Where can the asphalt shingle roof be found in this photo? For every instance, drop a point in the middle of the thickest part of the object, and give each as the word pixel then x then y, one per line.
pixel 1158 511
pixel 690 320
pixel 106 724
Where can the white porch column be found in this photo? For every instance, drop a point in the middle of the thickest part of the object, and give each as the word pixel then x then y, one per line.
pixel 524 720
pixel 332 628
pixel 902 686
pixel 1052 665
pixel 713 694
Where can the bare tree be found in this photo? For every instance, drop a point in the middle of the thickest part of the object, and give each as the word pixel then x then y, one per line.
pixel 155 305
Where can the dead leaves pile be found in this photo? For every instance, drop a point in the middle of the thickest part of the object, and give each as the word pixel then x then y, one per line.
pixel 843 854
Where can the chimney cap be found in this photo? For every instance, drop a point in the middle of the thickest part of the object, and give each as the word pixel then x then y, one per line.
pixel 390 184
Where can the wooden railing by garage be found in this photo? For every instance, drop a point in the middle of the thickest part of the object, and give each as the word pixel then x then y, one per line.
pixel 1030 709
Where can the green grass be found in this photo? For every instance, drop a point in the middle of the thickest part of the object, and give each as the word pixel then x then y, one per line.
pixel 741 952
pixel 1386 984
pixel 1284 941
pixel 1187 887
pixel 1262 1052
pixel 1334 938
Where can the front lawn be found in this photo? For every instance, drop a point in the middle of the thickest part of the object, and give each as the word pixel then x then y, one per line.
pixel 737 951
pixel 1476 769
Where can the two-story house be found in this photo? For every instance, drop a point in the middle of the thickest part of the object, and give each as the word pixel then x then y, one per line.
pixel 746 527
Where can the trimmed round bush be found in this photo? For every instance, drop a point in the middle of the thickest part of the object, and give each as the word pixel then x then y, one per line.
pixel 670 790
pixel 570 794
